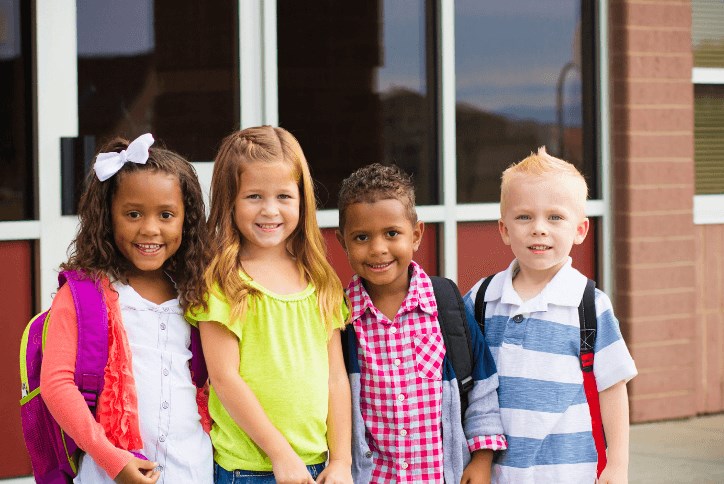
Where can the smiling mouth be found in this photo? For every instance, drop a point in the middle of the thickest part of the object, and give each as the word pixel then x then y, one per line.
pixel 379 267
pixel 539 247
pixel 268 226
pixel 148 249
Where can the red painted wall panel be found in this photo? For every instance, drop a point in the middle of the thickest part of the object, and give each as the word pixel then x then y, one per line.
pixel 481 252
pixel 426 255
pixel 16 300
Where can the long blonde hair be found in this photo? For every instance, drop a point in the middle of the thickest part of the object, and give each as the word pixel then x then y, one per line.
pixel 266 144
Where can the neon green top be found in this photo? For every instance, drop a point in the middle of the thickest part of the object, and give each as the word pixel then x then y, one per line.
pixel 283 359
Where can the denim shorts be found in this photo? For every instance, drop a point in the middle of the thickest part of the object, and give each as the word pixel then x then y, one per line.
pixel 222 476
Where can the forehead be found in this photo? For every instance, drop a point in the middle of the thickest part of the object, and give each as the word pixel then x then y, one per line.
pixel 266 172
pixel 377 215
pixel 149 187
pixel 546 190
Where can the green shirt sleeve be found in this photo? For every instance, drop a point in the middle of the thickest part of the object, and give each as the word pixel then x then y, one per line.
pixel 219 311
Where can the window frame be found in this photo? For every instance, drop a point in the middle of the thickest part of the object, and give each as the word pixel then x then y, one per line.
pixel 708 209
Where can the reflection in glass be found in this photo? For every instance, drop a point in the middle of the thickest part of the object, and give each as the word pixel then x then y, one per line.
pixel 524 78
pixel 707 33
pixel 16 113
pixel 168 67
pixel 709 138
pixel 356 86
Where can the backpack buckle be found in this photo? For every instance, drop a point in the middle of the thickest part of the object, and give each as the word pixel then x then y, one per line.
pixel 587 361
pixel 467 384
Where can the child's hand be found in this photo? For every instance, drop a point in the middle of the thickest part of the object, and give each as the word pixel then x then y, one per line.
pixel 478 470
pixel 138 471
pixel 613 474
pixel 337 472
pixel 290 469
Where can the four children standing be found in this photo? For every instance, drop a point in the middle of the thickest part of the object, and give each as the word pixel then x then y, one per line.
pixel 257 283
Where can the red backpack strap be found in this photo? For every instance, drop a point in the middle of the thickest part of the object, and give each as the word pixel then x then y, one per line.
pixel 589 325
pixel 92 315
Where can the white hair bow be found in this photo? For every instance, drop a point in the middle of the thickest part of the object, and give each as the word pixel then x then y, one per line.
pixel 108 164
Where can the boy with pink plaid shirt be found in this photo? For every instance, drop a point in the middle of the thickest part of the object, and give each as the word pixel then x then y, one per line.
pixel 406 409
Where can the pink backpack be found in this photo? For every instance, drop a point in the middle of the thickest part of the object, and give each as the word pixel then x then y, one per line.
pixel 53 454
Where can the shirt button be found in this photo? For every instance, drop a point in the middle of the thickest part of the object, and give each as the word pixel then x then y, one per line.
pixel 400 397
pixel 518 318
pixel 165 372
pixel 393 330
pixel 404 465
pixel 165 310
pixel 368 454
pixel 163 325
pixel 164 404
pixel 160 468
pixel 397 362
pixel 162 438
pixel 403 432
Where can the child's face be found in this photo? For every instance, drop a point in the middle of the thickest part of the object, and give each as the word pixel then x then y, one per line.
pixel 543 219
pixel 266 210
pixel 147 213
pixel 380 240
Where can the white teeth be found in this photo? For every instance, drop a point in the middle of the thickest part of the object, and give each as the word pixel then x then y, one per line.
pixel 149 246
pixel 539 247
pixel 380 266
pixel 268 226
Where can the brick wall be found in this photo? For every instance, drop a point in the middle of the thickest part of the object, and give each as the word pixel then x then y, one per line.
pixel 710 318
pixel 655 243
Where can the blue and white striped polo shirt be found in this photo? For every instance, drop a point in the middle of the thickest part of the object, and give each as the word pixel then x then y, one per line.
pixel 542 401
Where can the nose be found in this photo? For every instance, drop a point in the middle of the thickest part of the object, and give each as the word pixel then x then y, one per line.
pixel 378 246
pixel 269 207
pixel 540 227
pixel 150 226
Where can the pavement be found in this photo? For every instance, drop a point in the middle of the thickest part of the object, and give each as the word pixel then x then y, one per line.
pixel 675 451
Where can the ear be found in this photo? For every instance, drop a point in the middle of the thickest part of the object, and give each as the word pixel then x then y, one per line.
pixel 503 232
pixel 417 230
pixel 581 231
pixel 340 239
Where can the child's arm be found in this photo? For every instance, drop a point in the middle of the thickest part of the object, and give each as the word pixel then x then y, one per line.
pixel 614 413
pixel 478 470
pixel 221 349
pixel 67 405
pixel 339 418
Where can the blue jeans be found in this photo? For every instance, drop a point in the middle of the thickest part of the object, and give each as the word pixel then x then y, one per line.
pixel 222 476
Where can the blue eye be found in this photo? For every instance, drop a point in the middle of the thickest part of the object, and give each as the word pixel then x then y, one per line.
pixel 556 217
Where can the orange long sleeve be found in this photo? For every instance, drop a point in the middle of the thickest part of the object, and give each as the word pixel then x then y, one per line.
pixel 57 385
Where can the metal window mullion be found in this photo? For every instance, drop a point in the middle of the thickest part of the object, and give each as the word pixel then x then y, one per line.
pixel 606 236
pixel 448 162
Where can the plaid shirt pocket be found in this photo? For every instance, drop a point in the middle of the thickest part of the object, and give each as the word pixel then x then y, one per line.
pixel 429 355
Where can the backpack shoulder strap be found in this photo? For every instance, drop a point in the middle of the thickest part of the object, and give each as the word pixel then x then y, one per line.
pixel 480 303
pixel 199 373
pixel 589 325
pixel 92 315
pixel 455 333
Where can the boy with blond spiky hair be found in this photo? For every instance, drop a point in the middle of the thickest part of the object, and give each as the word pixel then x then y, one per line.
pixel 531 323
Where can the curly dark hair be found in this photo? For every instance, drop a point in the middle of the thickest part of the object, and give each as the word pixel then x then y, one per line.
pixel 376 182
pixel 94 250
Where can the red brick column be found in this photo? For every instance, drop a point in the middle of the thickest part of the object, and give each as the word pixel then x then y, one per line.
pixel 653 153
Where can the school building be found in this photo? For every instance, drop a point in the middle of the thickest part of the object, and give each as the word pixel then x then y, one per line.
pixel 631 91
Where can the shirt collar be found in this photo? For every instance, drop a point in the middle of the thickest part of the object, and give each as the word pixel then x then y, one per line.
pixel 419 294
pixel 565 289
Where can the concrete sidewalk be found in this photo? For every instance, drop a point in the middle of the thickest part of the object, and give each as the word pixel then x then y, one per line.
pixel 679 451
pixel 676 452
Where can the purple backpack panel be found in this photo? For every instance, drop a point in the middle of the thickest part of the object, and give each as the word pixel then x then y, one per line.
pixel 53 454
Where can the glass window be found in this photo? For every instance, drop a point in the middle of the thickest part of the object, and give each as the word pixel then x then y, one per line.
pixel 707 32
pixel 169 67
pixel 709 138
pixel 16 113
pixel 356 86
pixel 525 75
pixel 708 46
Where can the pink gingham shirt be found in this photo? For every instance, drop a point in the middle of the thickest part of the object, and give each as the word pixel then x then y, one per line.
pixel 401 383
